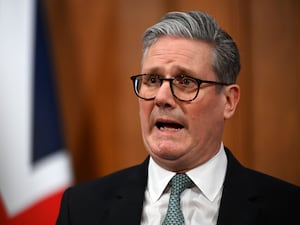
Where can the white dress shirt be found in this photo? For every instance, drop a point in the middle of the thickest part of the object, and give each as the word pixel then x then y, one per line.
pixel 200 204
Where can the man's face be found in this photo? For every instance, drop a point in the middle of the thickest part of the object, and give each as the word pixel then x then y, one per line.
pixel 181 135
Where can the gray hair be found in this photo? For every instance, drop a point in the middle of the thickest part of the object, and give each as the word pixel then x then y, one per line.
pixel 199 26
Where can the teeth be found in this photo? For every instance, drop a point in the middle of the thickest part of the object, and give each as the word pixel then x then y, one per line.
pixel 168 128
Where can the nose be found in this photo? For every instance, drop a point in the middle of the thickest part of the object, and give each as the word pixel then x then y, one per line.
pixel 164 97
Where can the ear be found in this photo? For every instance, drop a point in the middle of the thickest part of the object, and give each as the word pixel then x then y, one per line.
pixel 232 94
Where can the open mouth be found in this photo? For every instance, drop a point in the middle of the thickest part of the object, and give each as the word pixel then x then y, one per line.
pixel 168 126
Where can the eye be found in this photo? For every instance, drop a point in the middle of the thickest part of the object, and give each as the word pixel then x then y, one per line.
pixel 185 81
pixel 150 79
pixel 153 79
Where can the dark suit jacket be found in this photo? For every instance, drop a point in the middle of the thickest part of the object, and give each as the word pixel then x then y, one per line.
pixel 248 198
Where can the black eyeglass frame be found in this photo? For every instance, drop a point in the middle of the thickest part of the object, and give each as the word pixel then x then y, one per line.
pixel 161 79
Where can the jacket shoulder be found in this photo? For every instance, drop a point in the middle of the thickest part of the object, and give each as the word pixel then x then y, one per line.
pixel 237 173
pixel 90 202
pixel 126 177
pixel 257 197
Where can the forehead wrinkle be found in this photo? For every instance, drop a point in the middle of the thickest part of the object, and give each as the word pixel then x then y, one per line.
pixel 163 54
pixel 160 63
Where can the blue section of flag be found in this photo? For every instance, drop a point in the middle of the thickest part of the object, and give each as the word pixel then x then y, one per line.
pixel 47 133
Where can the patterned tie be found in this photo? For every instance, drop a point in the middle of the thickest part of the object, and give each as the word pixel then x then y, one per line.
pixel 174 214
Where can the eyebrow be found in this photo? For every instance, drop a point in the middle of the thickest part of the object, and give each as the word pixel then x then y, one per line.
pixel 176 70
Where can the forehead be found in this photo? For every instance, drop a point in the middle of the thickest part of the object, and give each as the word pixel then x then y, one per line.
pixel 169 54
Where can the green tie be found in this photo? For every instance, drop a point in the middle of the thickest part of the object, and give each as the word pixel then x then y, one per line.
pixel 174 214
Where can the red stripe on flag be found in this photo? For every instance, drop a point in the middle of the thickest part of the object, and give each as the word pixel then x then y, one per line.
pixel 44 212
pixel 3 216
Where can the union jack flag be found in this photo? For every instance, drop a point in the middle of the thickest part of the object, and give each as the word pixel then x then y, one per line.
pixel 34 166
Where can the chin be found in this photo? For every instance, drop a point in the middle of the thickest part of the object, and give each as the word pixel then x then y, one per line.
pixel 167 154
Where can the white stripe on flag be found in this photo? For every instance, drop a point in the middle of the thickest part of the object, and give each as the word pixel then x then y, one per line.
pixel 21 185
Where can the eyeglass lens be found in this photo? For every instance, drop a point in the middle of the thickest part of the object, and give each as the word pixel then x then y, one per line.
pixel 182 87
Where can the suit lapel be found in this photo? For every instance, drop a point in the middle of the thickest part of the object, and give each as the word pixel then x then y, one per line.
pixel 237 203
pixel 127 203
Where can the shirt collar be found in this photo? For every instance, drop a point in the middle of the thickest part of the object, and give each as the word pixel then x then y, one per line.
pixel 208 177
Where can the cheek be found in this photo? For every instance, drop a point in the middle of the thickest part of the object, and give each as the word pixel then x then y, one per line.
pixel 198 121
pixel 205 115
pixel 145 109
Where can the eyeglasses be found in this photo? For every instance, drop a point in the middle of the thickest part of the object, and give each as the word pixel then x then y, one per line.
pixel 184 88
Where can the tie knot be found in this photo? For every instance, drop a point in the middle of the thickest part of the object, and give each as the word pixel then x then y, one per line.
pixel 180 182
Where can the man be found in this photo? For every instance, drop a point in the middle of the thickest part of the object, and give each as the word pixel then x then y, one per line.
pixel 187 89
